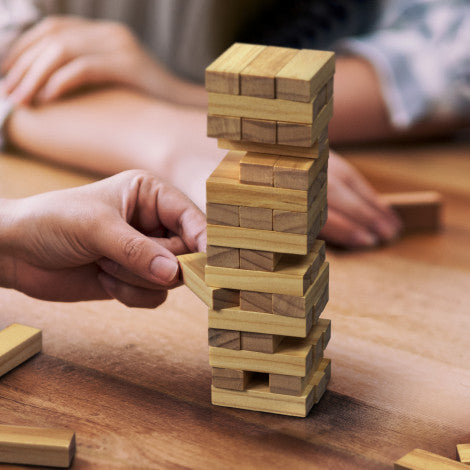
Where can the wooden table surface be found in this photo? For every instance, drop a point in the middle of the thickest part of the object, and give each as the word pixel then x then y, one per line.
pixel 135 384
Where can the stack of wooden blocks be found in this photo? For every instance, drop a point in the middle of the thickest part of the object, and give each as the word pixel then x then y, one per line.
pixel 266 203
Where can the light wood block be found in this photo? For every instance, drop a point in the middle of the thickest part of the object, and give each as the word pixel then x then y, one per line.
pixel 258 77
pixel 302 77
pixel 300 306
pixel 224 127
pixel 36 446
pixel 192 271
pixel 258 260
pixel 420 211
pixel 258 398
pixel 292 276
pixel 258 130
pixel 222 214
pixel 419 459
pixel 17 344
pixel 256 301
pixel 236 319
pixel 260 108
pixel 229 339
pixel 259 342
pixel 463 453
pixel 223 75
pixel 257 169
pixel 230 379
pixel 256 217
pixel 297 222
pixel 223 256
pixel 293 356
pixel 223 187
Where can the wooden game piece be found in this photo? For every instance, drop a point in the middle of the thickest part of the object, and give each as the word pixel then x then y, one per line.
pixel 17 344
pixel 292 276
pixel 258 260
pixel 224 127
pixel 420 211
pixel 257 169
pixel 256 301
pixel 223 256
pixel 463 453
pixel 298 222
pixel 419 459
pixel 302 77
pixel 229 339
pixel 258 77
pixel 258 130
pixel 257 396
pixel 192 269
pixel 223 75
pixel 256 217
pixel 36 446
pixel 230 378
pixel 259 342
pixel 234 318
pixel 222 214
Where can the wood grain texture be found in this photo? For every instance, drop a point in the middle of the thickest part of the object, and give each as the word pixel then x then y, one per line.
pixel 256 301
pixel 224 338
pixel 223 75
pixel 222 214
pixel 256 217
pixel 223 256
pixel 36 446
pixel 258 260
pixel 230 378
pixel 258 130
pixel 419 459
pixel 257 169
pixel 303 223
pixel 304 75
pixel 463 453
pixel 224 127
pixel 259 342
pixel 18 343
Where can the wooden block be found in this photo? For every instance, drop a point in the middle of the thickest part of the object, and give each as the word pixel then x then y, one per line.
pixel 17 344
pixel 260 108
pixel 304 134
pixel 257 396
pixel 36 446
pixel 256 301
pixel 260 342
pixel 258 260
pixel 258 77
pixel 420 211
pixel 223 75
pixel 257 169
pixel 419 459
pixel 236 319
pixel 292 276
pixel 297 222
pixel 230 379
pixel 302 77
pixel 300 306
pixel 223 256
pixel 223 187
pixel 293 356
pixel 256 217
pixel 192 270
pixel 229 339
pixel 224 127
pixel 222 214
pixel 463 453
pixel 258 130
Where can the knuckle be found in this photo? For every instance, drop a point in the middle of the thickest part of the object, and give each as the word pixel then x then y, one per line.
pixel 133 248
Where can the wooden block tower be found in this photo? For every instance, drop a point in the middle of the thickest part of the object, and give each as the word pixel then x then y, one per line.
pixel 265 278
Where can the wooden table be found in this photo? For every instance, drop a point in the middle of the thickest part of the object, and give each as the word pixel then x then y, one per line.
pixel 135 385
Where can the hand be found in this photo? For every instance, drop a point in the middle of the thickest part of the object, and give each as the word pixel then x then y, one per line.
pixel 356 216
pixel 63 54
pixel 116 238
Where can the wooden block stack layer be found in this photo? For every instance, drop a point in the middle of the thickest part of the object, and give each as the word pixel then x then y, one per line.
pixel 266 204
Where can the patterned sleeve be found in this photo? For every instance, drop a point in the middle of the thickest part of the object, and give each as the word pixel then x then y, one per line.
pixel 421 53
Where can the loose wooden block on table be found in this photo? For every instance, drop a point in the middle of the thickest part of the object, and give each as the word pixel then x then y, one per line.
pixel 223 75
pixel 257 396
pixel 222 214
pixel 258 130
pixel 419 459
pixel 17 344
pixel 223 256
pixel 224 338
pixel 192 269
pixel 257 169
pixel 256 217
pixel 224 127
pixel 230 378
pixel 463 453
pixel 258 260
pixel 259 342
pixel 256 301
pixel 36 446
pixel 302 77
pixel 292 276
pixel 258 77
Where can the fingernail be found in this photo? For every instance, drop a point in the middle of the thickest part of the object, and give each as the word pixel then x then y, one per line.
pixel 365 239
pixel 164 269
